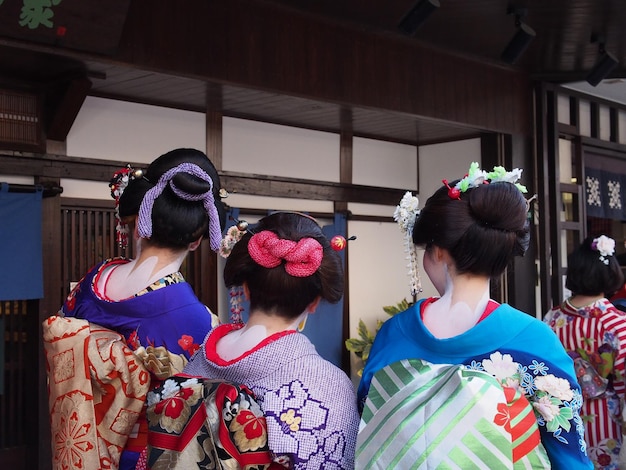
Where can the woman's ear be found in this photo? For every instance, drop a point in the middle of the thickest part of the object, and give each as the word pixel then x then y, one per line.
pixel 313 305
pixel 194 245
pixel 437 253
pixel 441 255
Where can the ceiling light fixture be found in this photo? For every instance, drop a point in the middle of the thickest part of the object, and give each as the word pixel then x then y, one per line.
pixel 605 64
pixel 417 15
pixel 522 38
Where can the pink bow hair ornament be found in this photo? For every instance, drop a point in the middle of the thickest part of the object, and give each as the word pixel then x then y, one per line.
pixel 302 258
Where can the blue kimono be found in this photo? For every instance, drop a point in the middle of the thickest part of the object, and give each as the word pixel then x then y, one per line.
pixel 505 340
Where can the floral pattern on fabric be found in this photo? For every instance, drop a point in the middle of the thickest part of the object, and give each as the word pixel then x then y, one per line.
pixel 208 424
pixel 165 281
pixel 97 388
pixel 302 421
pixel 555 403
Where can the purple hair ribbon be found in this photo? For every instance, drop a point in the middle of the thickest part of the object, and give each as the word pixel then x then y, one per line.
pixel 144 222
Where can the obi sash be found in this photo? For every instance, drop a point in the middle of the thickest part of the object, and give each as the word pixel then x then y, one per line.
pixel 424 416
pixel 208 424
pixel 96 391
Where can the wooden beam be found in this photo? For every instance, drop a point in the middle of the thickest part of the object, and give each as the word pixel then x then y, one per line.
pixel 346 142
pixel 60 166
pixel 64 113
pixel 308 189
pixel 214 124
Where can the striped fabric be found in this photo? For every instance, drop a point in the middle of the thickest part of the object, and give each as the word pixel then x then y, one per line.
pixel 597 328
pixel 425 416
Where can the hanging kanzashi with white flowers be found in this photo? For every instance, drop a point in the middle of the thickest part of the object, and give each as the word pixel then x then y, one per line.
pixel 405 215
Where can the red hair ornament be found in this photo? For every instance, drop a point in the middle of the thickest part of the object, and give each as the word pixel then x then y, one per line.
pixel 453 193
pixel 339 243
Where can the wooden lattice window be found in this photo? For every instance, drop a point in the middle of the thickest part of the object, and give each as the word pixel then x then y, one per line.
pixel 88 237
pixel 20 121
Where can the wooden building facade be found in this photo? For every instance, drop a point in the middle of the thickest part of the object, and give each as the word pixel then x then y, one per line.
pixel 279 62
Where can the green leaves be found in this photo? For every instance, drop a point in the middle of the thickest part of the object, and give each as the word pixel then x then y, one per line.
pixel 362 345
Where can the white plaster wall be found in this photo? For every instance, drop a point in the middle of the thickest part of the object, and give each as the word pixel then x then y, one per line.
pixel 387 164
pixel 16 179
pixel 605 122
pixel 118 130
pixel 276 203
pixel 565 161
pixel 563 109
pixel 86 189
pixel 584 117
pixel 269 149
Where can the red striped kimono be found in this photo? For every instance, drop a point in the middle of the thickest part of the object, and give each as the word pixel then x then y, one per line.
pixel 595 336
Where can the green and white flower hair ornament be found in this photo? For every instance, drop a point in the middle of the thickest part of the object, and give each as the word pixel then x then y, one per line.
pixel 499 174
pixel 476 177
pixel 405 215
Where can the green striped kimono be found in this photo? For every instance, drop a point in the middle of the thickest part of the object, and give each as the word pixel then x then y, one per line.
pixel 439 416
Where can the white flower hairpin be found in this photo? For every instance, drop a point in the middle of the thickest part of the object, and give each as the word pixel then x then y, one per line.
pixel 605 246
pixel 405 215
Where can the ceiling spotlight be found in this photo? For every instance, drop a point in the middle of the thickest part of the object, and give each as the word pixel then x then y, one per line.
pixel 522 39
pixel 417 15
pixel 604 66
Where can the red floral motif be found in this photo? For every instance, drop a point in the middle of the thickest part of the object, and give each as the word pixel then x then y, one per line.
pixel 173 406
pixel 71 441
pixel 71 298
pixel 596 312
pixel 604 459
pixel 186 342
pixel 133 340
pixel 253 426
pixel 71 303
pixel 503 417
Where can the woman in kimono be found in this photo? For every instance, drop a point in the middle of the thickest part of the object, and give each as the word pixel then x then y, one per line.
pixel 442 350
pixel 593 332
pixel 286 267
pixel 169 209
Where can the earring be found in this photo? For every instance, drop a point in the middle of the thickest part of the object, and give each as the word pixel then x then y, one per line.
pixel 302 323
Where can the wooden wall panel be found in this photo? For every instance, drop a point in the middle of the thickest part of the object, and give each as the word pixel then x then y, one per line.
pixel 262 46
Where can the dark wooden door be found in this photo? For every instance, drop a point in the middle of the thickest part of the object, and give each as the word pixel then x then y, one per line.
pixel 18 393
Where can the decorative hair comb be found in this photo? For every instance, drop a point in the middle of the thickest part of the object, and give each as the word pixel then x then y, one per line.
pixel 405 215
pixel 233 235
pixel 118 184
pixel 605 246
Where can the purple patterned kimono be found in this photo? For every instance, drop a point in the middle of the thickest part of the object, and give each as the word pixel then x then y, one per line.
pixel 309 404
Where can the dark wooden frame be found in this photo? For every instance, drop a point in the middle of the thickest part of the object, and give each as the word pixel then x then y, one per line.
pixel 548 132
